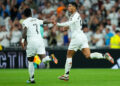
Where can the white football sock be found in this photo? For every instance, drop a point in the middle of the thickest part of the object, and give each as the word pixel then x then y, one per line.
pixel 45 59
pixel 96 55
pixel 68 66
pixel 31 70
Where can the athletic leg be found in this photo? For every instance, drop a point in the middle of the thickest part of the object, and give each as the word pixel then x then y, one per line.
pixel 31 69
pixel 68 65
pixel 96 55
pixel 42 54
pixel 45 58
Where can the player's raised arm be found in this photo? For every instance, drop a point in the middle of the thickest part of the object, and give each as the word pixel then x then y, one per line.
pixel 47 21
pixel 67 23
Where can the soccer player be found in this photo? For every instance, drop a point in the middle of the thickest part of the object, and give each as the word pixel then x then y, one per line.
pixel 78 40
pixel 35 45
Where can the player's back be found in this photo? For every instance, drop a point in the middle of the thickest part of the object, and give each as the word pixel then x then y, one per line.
pixel 33 28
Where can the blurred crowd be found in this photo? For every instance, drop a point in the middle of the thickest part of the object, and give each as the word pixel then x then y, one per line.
pixel 100 18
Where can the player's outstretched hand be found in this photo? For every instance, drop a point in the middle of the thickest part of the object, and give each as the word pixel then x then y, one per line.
pixel 53 22
pixel 54 19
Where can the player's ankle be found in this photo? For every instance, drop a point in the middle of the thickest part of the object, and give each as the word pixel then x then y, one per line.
pixel 66 75
pixel 32 79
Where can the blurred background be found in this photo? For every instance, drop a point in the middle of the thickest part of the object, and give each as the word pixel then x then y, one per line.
pixel 100 18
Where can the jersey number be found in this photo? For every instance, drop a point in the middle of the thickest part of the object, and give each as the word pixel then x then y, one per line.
pixel 36 28
pixel 80 20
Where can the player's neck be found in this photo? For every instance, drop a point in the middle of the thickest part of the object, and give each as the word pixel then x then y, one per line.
pixel 74 11
pixel 28 17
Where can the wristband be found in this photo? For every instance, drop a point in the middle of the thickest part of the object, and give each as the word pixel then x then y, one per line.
pixel 23 40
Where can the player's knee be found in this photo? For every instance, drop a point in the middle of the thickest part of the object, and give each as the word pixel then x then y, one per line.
pixel 69 56
pixel 30 59
pixel 87 56
pixel 41 56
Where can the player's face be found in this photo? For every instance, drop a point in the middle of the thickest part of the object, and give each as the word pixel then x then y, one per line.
pixel 70 7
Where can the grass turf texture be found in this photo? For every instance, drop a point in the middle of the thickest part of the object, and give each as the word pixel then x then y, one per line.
pixel 48 77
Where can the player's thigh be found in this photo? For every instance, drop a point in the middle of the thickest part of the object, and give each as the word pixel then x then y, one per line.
pixel 42 56
pixel 30 51
pixel 73 46
pixel 85 48
pixel 86 52
pixel 41 50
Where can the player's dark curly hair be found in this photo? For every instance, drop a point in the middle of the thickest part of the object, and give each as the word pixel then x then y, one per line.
pixel 74 4
pixel 27 12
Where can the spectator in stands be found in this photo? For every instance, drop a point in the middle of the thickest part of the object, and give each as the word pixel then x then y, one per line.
pixel 7 21
pixel 1 21
pixel 31 3
pixel 60 8
pixel 35 13
pixel 48 10
pixel 4 37
pixel 4 9
pixel 52 38
pixel 46 35
pixel 113 16
pixel 14 12
pixel 15 35
pixel 40 15
pixel 22 7
pixel 87 4
pixel 93 13
pixel 113 30
pixel 108 5
pixel 88 33
pixel 103 12
pixel 108 37
pixel 97 39
pixel 115 40
pixel 59 36
pixel 94 22
pixel 22 18
pixel 108 24
pixel 66 38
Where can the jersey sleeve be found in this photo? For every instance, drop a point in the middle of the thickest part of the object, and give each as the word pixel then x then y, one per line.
pixel 68 23
pixel 23 25
pixel 65 23
pixel 40 21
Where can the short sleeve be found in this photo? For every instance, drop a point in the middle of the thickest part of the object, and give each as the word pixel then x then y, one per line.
pixel 23 25
pixel 40 21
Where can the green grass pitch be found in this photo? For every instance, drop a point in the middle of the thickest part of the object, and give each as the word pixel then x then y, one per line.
pixel 48 77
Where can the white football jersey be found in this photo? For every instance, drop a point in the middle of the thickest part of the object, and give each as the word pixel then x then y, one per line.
pixel 74 23
pixel 33 28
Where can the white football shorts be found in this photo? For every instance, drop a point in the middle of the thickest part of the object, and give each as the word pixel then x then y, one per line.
pixel 35 47
pixel 78 43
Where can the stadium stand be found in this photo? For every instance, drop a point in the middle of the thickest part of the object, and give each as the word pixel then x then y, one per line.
pixel 101 19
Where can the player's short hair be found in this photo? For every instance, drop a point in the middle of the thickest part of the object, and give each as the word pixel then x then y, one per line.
pixel 27 12
pixel 74 4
